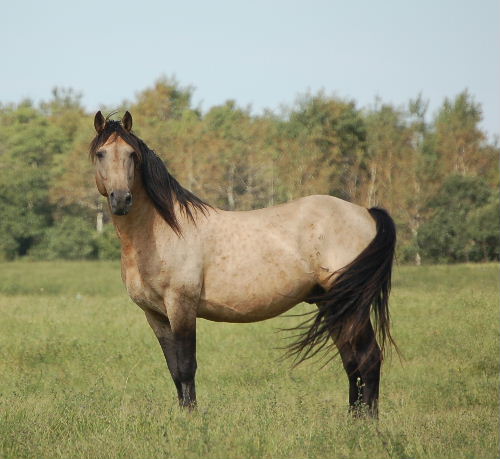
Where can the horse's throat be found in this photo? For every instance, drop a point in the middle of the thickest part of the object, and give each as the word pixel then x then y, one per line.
pixel 137 226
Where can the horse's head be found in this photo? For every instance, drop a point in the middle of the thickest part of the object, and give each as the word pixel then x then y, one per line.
pixel 114 151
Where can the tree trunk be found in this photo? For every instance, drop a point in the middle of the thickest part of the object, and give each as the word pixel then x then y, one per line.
pixel 371 185
pixel 99 218
pixel 230 187
pixel 271 188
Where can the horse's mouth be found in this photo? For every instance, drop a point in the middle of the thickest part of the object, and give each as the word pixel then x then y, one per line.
pixel 120 212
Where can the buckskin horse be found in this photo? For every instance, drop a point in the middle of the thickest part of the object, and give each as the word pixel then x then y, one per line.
pixel 182 259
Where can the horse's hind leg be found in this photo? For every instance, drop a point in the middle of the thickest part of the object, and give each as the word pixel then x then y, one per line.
pixel 354 376
pixel 362 359
pixel 179 352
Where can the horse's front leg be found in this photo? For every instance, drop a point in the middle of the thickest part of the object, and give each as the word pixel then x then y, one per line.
pixel 181 313
pixel 179 349
pixel 185 345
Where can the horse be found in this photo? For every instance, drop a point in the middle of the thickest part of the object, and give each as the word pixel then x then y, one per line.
pixel 183 259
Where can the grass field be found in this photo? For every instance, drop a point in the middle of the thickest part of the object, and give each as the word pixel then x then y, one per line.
pixel 82 376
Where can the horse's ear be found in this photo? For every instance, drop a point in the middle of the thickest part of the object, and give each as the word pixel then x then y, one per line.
pixel 127 121
pixel 99 122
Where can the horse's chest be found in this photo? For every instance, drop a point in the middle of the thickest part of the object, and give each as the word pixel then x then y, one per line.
pixel 143 292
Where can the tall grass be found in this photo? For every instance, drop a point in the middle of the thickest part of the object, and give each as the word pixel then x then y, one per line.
pixel 82 376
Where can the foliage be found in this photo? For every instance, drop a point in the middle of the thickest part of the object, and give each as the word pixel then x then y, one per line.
pixel 108 244
pixel 462 223
pixel 337 129
pixel 83 375
pixel 457 134
pixel 72 238
pixel 379 156
pixel 483 225
pixel 24 208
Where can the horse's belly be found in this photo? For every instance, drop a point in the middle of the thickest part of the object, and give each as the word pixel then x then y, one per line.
pixel 255 277
pixel 253 300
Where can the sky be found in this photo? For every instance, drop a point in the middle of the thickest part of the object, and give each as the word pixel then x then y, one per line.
pixel 261 53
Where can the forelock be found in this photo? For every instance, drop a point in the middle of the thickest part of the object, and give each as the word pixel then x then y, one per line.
pixel 113 127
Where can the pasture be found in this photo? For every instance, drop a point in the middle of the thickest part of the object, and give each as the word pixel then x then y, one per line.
pixel 82 375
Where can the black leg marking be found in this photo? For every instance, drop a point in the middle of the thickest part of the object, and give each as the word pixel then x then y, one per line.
pixel 168 348
pixel 180 354
pixel 362 361
pixel 185 347
pixel 354 376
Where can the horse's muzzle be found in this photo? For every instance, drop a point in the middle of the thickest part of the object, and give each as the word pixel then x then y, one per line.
pixel 120 202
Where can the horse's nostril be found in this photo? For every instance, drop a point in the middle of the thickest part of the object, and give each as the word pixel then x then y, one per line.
pixel 128 198
pixel 112 194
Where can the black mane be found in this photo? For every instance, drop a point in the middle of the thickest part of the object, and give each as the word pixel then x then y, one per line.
pixel 162 188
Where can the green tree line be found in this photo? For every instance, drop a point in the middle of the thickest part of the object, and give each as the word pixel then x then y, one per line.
pixel 438 178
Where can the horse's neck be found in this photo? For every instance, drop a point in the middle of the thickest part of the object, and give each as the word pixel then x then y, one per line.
pixel 136 229
pixel 140 214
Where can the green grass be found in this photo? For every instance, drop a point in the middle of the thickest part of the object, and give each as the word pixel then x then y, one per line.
pixel 82 376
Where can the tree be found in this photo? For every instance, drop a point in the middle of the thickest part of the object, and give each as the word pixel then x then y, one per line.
pixel 24 208
pixel 386 155
pixel 389 146
pixel 483 224
pixel 458 137
pixel 71 238
pixel 28 143
pixel 448 235
pixel 338 131
pixel 229 149
pixel 157 105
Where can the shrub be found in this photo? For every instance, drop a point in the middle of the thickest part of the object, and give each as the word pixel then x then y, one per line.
pixel 108 244
pixel 72 238
pixel 458 230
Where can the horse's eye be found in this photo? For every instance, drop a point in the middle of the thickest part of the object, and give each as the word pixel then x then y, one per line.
pixel 100 154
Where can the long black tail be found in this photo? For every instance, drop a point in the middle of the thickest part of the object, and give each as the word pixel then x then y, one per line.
pixel 360 287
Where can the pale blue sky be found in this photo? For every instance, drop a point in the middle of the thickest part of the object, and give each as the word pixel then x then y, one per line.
pixel 259 52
